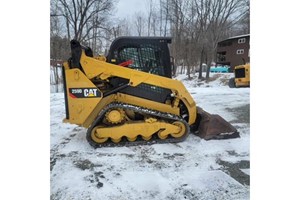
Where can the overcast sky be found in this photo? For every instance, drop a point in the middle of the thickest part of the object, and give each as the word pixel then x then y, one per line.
pixel 129 7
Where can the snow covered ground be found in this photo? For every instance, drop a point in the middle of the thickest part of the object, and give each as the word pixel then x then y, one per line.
pixel 193 169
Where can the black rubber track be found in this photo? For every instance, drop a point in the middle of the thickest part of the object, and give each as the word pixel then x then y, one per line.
pixel 167 117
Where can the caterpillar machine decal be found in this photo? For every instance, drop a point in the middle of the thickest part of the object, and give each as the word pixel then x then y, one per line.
pixel 130 98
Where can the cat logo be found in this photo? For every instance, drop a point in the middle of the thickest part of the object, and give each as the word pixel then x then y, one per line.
pixel 84 93
pixel 90 92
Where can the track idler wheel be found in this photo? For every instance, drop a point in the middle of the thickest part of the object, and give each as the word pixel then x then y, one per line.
pixel 97 139
pixel 182 129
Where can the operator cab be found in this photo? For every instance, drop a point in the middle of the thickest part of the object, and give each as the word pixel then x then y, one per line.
pixel 147 54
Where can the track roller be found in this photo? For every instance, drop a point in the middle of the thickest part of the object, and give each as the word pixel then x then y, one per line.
pixel 161 136
pixel 116 140
pixel 131 139
pixel 147 138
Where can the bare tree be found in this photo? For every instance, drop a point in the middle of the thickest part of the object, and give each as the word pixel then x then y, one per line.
pixel 177 20
pixel 150 15
pixel 124 27
pixel 223 15
pixel 57 45
pixel 245 19
pixel 139 23
pixel 84 16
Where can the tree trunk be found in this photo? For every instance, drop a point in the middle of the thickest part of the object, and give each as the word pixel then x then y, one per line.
pixel 201 63
pixel 208 67
pixel 182 69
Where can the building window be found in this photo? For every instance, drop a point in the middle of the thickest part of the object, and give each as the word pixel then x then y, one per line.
pixel 225 44
pixel 240 51
pixel 221 56
pixel 242 40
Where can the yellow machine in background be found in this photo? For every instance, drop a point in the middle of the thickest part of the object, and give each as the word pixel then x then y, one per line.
pixel 129 97
pixel 241 76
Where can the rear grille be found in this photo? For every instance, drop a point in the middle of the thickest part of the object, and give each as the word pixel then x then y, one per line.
pixel 240 73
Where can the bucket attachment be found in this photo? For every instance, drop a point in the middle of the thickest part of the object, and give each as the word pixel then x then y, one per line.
pixel 211 126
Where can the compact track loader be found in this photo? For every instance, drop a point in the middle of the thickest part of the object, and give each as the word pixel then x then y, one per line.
pixel 130 98
pixel 241 76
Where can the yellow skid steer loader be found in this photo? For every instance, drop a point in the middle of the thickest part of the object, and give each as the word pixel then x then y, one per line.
pixel 130 98
pixel 241 76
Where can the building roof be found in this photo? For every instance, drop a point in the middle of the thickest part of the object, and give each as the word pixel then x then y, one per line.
pixel 237 36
